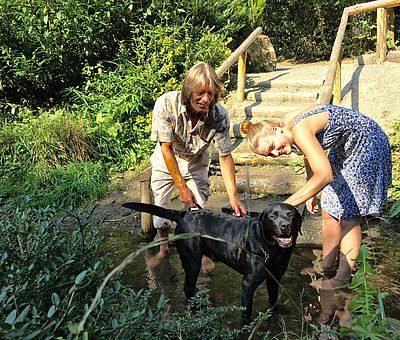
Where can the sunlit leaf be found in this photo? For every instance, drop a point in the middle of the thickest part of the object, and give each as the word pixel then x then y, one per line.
pixel 11 317
pixel 51 311
pixel 80 277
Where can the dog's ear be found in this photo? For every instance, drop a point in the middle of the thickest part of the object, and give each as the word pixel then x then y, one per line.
pixel 261 217
pixel 298 220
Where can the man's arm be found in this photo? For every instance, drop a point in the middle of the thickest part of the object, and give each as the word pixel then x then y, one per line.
pixel 228 175
pixel 186 195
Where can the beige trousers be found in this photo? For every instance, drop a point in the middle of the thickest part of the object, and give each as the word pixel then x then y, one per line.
pixel 194 172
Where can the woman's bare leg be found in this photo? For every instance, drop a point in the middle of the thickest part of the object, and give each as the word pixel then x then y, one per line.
pixel 331 235
pixel 349 249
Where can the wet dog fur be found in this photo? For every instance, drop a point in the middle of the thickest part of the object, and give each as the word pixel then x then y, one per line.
pixel 258 248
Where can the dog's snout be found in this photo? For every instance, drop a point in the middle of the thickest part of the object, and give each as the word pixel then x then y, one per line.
pixel 285 228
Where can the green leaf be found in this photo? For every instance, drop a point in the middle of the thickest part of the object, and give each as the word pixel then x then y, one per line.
pixel 74 328
pixel 51 311
pixel 161 302
pixel 395 209
pixel 11 317
pixel 80 277
pixel 23 314
pixel 55 299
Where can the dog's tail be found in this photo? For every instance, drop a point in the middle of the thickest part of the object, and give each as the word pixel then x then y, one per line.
pixel 170 214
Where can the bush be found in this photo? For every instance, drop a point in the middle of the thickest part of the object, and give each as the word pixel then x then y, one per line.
pixel 50 274
pixel 45 44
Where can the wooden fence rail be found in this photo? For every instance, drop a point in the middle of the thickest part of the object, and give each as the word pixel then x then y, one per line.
pixel 331 89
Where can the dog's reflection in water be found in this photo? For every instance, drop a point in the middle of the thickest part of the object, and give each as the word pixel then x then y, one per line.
pixel 162 276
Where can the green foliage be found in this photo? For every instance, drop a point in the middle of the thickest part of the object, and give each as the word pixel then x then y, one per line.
pixel 306 30
pixel 114 108
pixel 225 17
pixel 44 161
pixel 67 186
pixel 61 186
pixel 202 321
pixel 47 271
pixel 395 189
pixel 45 44
pixel 52 139
pixel 50 272
pixel 367 305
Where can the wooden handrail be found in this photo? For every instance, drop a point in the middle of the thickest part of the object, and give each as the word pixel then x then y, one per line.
pixel 239 54
pixel 333 76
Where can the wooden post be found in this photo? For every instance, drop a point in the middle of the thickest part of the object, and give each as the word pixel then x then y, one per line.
pixel 337 85
pixel 241 81
pixel 381 35
pixel 145 194
pixel 235 55
pixel 325 94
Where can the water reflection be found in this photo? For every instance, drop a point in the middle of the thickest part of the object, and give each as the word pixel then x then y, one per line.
pixel 334 307
pixel 301 299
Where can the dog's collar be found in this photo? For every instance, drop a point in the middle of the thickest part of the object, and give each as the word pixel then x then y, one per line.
pixel 266 255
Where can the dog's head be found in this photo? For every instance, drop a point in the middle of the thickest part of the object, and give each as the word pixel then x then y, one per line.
pixel 280 223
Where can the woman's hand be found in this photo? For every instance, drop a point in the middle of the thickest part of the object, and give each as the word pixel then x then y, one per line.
pixel 312 205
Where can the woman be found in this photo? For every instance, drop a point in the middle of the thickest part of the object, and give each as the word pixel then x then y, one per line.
pixel 355 175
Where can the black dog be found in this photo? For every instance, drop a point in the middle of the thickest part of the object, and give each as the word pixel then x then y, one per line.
pixel 259 249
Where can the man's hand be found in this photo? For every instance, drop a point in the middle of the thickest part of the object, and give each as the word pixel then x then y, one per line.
pixel 186 196
pixel 238 207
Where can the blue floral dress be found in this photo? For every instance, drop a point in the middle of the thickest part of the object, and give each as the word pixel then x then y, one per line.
pixel 360 156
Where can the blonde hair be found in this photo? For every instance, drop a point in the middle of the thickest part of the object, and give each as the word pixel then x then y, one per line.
pixel 254 132
pixel 198 77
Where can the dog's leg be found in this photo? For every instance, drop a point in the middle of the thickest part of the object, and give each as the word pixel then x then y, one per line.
pixel 249 285
pixel 190 256
pixel 192 269
pixel 273 279
pixel 273 290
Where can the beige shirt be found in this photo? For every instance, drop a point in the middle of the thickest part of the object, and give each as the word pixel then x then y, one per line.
pixel 171 123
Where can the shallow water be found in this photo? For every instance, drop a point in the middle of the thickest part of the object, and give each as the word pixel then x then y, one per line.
pixel 300 300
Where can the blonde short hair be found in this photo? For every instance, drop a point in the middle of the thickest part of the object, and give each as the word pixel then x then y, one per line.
pixel 199 76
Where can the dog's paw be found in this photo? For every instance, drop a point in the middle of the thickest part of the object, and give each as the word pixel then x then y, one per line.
pixel 246 320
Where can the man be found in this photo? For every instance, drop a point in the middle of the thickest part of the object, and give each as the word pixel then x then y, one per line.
pixel 184 125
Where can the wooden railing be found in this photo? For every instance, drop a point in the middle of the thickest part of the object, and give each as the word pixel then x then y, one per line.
pixel 239 54
pixel 332 83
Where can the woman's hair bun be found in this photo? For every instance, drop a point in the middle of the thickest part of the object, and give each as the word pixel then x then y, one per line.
pixel 245 126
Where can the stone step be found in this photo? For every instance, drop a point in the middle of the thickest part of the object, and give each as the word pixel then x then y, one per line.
pixel 263 110
pixel 268 81
pixel 278 96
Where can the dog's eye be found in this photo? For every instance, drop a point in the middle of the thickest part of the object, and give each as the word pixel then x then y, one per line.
pixel 290 214
pixel 272 215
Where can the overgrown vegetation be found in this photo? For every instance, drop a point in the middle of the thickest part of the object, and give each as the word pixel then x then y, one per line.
pixel 369 319
pixel 395 190
pixel 50 274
